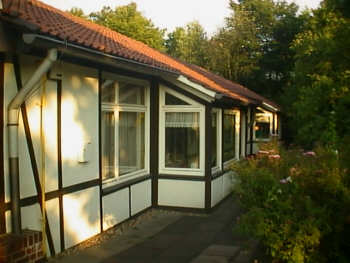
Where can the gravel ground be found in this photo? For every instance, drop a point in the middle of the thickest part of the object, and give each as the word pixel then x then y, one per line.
pixel 123 228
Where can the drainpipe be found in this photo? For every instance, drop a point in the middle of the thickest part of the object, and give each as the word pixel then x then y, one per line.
pixel 12 124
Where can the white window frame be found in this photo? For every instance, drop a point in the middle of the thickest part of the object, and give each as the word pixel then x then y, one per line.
pixel 218 167
pixel 236 113
pixel 269 114
pixel 193 107
pixel 116 109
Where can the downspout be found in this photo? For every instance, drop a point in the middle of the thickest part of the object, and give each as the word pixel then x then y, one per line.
pixel 12 124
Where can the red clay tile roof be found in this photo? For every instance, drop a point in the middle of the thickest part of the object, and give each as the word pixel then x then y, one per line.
pixel 64 26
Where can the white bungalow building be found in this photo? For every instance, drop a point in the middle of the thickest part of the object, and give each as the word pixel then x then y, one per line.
pixel 107 127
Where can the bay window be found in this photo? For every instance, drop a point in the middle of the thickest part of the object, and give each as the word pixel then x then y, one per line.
pixel 124 121
pixel 181 129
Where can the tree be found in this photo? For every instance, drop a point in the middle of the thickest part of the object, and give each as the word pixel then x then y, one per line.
pixel 189 44
pixel 130 22
pixel 76 11
pixel 234 50
pixel 322 78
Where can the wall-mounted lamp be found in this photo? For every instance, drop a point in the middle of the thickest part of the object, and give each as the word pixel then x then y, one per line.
pixel 84 156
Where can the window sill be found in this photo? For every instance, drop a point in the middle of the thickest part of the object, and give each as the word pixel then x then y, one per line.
pixel 228 163
pixel 182 171
pixel 113 187
pixel 123 179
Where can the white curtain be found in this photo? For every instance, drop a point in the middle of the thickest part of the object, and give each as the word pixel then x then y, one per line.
pixel 181 120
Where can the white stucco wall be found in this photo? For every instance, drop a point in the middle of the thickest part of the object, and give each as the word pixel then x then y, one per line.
pixel 216 191
pixel 141 196
pixel 81 216
pixel 79 123
pixel 181 193
pixel 115 208
pixel 221 187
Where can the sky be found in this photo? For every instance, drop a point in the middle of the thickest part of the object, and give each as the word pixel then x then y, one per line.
pixel 170 14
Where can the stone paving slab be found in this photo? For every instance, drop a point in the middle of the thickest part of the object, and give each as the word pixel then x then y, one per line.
pixel 220 250
pixel 170 239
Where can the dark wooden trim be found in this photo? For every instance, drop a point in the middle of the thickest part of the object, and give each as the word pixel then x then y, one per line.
pixel 183 209
pixel 59 161
pixel 117 187
pixel 246 132
pixel 17 73
pixel 129 201
pixel 251 129
pixel 2 172
pixel 184 92
pixel 208 153
pixel 32 156
pixel 181 177
pixel 55 194
pixel 222 138
pixel 240 133
pixel 100 145
pixel 122 72
pixel 273 123
pixel 81 186
pixel 154 139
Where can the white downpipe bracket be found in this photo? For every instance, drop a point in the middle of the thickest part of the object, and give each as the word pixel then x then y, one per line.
pixel 12 124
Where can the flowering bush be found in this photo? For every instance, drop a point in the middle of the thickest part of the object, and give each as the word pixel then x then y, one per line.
pixel 297 204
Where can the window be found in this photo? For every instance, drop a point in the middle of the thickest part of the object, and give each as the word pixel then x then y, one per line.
pixel 124 121
pixel 262 126
pixel 182 139
pixel 181 128
pixel 216 140
pixel 229 134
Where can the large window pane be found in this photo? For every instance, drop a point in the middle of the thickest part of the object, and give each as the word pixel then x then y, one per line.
pixel 172 100
pixel 108 91
pixel 131 142
pixel 108 145
pixel 182 139
pixel 229 137
pixel 130 93
pixel 262 127
pixel 214 140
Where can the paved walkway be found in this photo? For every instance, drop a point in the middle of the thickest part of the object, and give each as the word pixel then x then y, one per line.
pixel 175 238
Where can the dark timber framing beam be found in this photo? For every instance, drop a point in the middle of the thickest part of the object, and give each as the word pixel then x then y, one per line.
pixel 2 172
pixel 100 146
pixel 208 153
pixel 59 156
pixel 32 156
pixel 154 139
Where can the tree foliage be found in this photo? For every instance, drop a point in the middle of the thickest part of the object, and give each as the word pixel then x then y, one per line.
pixel 128 21
pixel 189 43
pixel 234 50
pixel 321 106
pixel 77 11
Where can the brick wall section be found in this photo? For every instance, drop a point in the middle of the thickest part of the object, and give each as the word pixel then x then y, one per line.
pixel 26 247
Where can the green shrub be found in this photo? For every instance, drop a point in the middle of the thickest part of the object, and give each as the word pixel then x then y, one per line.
pixel 296 203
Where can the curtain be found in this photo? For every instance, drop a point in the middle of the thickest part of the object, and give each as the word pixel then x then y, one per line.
pixel 182 120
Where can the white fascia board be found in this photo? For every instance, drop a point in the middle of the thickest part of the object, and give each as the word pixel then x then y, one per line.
pixel 269 106
pixel 194 88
